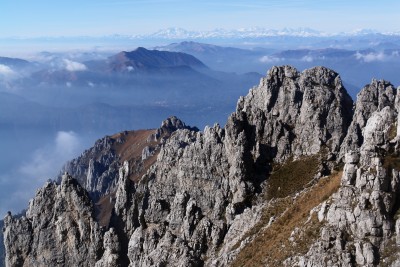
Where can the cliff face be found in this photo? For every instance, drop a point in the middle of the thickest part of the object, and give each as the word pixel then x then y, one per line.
pixel 192 198
pixel 59 229
pixel 361 225
pixel 96 169
pixel 2 252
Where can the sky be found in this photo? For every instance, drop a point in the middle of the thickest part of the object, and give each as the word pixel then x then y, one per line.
pixel 38 18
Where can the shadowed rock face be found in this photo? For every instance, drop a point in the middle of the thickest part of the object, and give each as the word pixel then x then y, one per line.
pixel 204 190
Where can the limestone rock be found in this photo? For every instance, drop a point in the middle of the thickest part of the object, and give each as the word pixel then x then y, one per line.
pixel 58 229
pixel 360 215
pixel 111 256
pixel 2 248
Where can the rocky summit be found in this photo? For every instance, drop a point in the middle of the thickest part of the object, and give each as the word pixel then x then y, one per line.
pixel 299 176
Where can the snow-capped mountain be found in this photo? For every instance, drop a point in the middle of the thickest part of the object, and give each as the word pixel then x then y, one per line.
pixel 254 32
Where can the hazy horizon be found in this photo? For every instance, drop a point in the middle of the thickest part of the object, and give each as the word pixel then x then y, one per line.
pixel 96 18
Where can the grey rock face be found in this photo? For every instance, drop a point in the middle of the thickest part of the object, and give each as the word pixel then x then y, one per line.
pixel 169 126
pixel 359 221
pixel 98 167
pixel 295 114
pixel 58 229
pixel 111 256
pixel 2 248
pixel 371 98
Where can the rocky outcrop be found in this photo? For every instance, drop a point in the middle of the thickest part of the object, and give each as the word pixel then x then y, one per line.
pixel 189 198
pixel 296 114
pixel 360 220
pixel 202 182
pixel 58 229
pixel 97 168
pixel 2 248
pixel 371 98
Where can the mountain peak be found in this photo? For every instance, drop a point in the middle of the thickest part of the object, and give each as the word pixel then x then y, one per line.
pixel 142 58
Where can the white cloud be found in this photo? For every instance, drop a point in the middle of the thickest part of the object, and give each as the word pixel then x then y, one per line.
pixel 19 185
pixel 45 162
pixel 7 72
pixel 74 66
pixel 270 59
pixel 307 59
pixel 371 57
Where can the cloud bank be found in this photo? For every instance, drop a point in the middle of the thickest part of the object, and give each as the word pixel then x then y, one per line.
pixel 371 57
pixel 42 165
pixel 270 59
pixel 47 160
pixel 6 73
pixel 74 66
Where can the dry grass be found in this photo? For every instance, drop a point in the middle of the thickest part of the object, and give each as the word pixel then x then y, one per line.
pixel 271 246
pixel 392 132
pixel 275 208
pixel 291 177
pixel 390 253
pixel 134 143
pixel 131 150
pixel 391 161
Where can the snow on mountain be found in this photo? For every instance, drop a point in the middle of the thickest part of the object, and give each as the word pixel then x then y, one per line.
pixel 254 32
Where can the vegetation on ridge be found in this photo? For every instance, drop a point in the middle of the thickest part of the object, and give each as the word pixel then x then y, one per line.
pixel 291 177
pixel 281 239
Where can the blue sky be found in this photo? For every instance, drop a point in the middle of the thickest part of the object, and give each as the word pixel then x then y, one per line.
pixel 32 18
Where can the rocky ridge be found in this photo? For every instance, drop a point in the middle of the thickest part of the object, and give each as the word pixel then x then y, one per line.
pixel 97 168
pixel 2 248
pixel 208 195
pixel 361 226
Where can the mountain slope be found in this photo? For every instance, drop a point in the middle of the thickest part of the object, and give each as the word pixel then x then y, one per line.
pixel 219 197
pixel 14 62
pixel 142 58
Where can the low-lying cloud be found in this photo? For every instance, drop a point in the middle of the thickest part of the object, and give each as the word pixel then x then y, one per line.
pixel 74 66
pixel 371 57
pixel 307 59
pixel 44 163
pixel 270 59
pixel 6 72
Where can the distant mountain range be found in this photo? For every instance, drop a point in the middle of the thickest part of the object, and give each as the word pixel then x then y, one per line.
pixel 256 32
pixel 114 70
pixel 242 33
pixel 13 62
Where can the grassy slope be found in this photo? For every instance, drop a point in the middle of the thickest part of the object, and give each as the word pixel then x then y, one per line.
pixel 277 242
